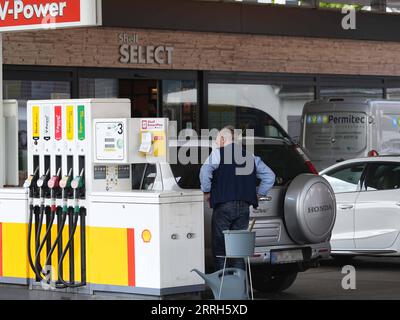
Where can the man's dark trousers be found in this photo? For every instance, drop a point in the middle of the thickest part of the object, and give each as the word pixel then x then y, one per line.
pixel 233 215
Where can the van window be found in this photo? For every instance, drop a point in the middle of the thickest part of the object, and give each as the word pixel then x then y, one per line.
pixel 389 134
pixel 244 118
pixel 248 105
pixel 337 132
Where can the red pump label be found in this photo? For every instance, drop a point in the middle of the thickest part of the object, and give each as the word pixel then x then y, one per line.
pixel 58 123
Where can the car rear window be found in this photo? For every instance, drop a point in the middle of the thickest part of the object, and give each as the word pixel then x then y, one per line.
pixel 283 159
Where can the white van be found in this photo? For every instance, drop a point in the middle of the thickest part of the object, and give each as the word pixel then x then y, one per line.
pixel 338 129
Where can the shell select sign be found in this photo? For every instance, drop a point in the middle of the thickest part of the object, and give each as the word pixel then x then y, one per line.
pixel 39 14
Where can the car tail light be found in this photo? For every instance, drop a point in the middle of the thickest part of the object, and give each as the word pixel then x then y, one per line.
pixel 373 153
pixel 308 162
pixel 313 170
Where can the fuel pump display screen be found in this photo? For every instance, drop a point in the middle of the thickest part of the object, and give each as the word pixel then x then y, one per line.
pixel 110 140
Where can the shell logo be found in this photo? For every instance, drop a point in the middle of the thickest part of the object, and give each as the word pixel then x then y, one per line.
pixel 146 236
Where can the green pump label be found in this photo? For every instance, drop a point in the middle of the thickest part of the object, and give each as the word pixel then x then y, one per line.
pixel 81 123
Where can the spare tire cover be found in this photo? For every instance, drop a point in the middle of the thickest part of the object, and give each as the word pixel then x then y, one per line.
pixel 310 209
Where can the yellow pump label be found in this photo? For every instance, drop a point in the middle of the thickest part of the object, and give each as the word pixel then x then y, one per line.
pixel 70 123
pixel 35 123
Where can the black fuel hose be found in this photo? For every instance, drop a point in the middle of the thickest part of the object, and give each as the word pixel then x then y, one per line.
pixel 61 220
pixel 32 208
pixel 57 240
pixel 42 244
pixel 38 267
pixel 67 247
pixel 30 224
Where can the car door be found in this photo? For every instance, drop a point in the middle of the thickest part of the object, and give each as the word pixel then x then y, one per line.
pixel 377 211
pixel 345 181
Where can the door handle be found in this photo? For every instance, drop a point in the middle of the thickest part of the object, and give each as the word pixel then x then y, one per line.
pixel 398 204
pixel 346 206
pixel 268 198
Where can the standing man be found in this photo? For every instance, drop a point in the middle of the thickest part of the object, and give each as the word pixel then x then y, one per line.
pixel 230 192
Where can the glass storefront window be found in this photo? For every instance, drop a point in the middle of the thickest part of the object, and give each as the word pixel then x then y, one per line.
pixel 327 4
pixel 143 95
pixel 180 103
pixel 258 106
pixel 22 91
pixel 98 88
pixel 392 6
pixel 393 93
pixel 343 92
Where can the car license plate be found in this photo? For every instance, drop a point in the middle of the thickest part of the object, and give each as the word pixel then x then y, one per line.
pixel 278 257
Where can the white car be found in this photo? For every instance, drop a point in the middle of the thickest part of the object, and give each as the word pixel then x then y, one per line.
pixel 368 206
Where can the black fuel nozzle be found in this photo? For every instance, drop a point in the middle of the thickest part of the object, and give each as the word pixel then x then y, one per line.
pixel 31 183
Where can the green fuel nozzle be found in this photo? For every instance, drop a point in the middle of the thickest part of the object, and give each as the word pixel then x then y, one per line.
pixel 78 182
pixel 77 185
pixel 65 184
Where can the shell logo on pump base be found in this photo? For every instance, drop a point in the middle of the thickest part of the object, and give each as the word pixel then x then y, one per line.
pixel 146 236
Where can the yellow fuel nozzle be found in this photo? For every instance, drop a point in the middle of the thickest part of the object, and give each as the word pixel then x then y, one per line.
pixel 66 180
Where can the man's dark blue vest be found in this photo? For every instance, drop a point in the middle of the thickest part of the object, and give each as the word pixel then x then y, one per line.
pixel 227 185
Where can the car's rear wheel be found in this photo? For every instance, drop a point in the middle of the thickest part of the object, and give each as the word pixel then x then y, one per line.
pixel 273 282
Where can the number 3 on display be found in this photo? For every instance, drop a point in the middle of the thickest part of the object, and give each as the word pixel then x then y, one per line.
pixel 120 128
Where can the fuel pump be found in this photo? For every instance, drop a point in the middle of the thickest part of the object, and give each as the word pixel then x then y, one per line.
pixel 30 185
pixel 74 216
pixel 53 185
pixel 99 136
